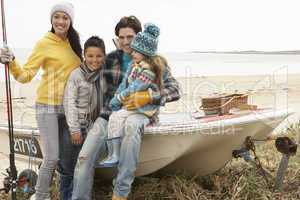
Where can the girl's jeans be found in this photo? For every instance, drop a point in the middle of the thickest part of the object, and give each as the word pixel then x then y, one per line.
pixel 129 153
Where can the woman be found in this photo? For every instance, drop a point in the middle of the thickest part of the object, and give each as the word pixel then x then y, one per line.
pixel 58 53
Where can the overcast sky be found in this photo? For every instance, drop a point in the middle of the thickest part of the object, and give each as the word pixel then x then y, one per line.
pixel 186 25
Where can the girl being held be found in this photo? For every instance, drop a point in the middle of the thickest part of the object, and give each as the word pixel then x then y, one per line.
pixel 145 73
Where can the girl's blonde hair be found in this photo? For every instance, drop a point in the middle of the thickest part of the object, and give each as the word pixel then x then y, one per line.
pixel 157 64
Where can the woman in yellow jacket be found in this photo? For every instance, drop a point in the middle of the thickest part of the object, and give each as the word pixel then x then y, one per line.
pixel 58 53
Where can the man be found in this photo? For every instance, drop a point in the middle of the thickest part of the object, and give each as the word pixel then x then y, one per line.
pixel 117 63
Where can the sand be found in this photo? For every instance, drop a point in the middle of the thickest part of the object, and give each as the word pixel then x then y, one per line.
pixel 276 91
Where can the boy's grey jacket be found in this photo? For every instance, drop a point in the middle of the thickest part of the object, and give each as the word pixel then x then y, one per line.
pixel 83 90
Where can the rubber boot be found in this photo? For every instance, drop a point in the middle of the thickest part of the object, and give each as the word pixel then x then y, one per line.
pixel 113 154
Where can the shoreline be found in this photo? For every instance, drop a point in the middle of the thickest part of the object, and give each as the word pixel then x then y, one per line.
pixel 293 75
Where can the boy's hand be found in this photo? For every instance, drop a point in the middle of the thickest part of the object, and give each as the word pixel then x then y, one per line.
pixel 137 100
pixel 76 138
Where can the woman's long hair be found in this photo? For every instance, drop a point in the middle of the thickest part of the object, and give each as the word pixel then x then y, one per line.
pixel 157 64
pixel 74 40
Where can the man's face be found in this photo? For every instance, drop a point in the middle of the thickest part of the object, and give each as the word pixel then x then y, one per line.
pixel 126 36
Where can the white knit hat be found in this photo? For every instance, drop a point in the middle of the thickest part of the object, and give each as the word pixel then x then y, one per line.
pixel 65 7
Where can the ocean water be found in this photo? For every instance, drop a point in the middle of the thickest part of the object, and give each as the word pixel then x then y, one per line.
pixel 214 64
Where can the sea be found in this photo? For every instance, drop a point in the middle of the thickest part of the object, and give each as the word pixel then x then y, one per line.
pixel 198 64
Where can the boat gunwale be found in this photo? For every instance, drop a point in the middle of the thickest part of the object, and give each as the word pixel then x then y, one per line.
pixel 195 127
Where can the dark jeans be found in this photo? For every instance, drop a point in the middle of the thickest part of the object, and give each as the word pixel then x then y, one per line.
pixel 68 154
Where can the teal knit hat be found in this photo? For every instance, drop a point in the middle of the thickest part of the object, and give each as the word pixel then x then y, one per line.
pixel 146 42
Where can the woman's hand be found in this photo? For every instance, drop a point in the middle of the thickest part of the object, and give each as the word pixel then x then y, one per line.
pixel 137 100
pixel 76 138
pixel 6 55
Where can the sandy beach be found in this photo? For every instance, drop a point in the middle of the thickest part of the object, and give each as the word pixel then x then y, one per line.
pixel 278 91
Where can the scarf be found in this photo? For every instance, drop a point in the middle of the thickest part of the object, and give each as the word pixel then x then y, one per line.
pixel 93 77
pixel 90 75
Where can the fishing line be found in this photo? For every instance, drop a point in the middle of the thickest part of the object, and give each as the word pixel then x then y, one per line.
pixel 13 170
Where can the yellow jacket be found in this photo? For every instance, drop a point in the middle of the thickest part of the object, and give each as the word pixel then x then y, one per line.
pixel 57 60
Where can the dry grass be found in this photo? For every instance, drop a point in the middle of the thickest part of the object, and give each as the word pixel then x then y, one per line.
pixel 238 180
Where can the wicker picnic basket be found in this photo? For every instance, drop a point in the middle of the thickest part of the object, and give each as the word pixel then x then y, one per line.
pixel 221 104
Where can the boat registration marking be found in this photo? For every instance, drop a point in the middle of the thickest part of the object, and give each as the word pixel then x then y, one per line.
pixel 27 145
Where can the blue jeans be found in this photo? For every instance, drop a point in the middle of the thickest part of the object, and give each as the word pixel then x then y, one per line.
pixel 68 154
pixel 85 167
pixel 48 118
pixel 129 153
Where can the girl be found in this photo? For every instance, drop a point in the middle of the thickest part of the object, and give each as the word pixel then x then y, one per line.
pixel 57 53
pixel 84 104
pixel 144 74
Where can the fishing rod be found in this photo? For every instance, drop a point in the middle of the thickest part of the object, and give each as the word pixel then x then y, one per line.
pixel 13 171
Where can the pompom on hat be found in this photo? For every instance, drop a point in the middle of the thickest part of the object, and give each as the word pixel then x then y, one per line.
pixel 146 42
pixel 65 7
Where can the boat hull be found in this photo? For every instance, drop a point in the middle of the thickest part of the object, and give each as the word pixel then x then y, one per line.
pixel 180 142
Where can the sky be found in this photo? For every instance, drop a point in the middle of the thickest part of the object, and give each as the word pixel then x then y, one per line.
pixel 189 25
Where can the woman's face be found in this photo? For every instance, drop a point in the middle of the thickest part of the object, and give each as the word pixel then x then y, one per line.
pixel 94 57
pixel 137 57
pixel 61 23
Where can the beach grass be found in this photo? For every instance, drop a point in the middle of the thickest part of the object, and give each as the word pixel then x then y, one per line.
pixel 238 180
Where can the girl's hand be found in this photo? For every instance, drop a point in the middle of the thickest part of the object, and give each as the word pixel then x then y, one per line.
pixel 137 100
pixel 76 138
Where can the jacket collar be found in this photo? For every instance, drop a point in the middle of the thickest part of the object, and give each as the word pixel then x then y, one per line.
pixel 89 75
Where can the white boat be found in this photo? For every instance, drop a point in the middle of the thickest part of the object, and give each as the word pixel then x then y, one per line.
pixel 178 142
